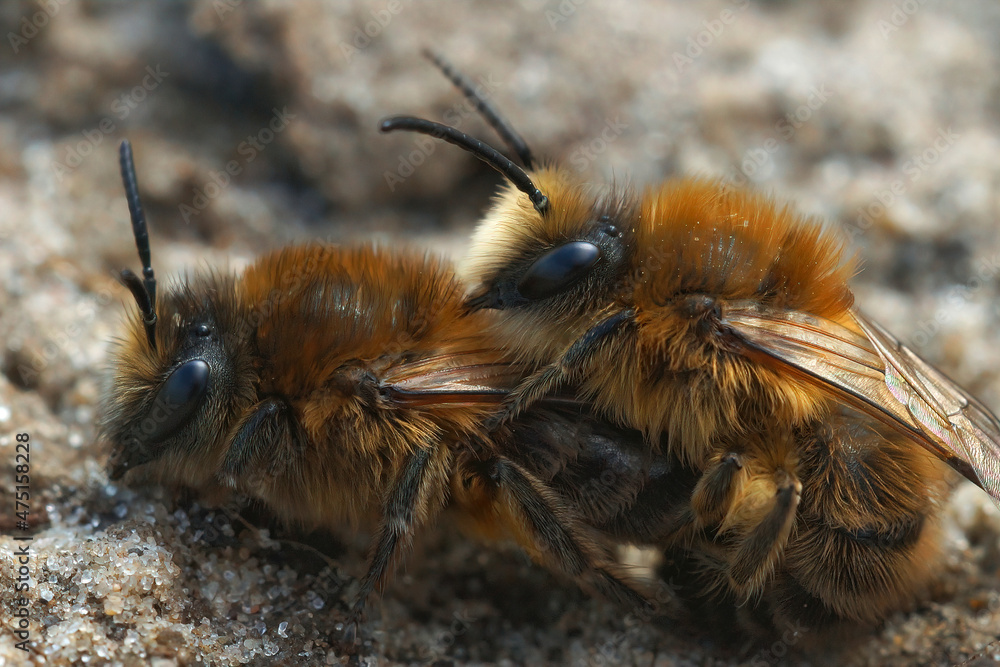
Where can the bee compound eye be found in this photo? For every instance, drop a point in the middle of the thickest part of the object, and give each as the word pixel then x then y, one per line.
pixel 178 399
pixel 558 269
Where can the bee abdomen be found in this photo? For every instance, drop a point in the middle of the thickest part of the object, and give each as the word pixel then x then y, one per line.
pixel 902 535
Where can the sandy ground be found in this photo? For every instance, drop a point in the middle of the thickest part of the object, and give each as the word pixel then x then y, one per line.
pixel 880 117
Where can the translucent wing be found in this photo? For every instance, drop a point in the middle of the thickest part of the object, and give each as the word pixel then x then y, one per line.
pixel 463 378
pixel 881 377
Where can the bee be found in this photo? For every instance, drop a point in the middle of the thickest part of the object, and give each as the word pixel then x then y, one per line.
pixel 347 387
pixel 721 325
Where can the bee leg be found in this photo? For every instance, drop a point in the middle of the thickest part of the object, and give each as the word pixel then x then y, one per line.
pixel 542 524
pixel 713 494
pixel 869 542
pixel 266 430
pixel 398 520
pixel 544 380
pixel 760 550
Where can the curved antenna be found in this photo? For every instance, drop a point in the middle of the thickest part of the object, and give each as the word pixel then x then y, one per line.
pixel 143 291
pixel 500 125
pixel 481 150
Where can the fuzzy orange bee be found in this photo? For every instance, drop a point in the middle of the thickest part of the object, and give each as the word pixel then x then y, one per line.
pixel 341 386
pixel 722 324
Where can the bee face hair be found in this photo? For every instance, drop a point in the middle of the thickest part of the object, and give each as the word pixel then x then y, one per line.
pixel 195 373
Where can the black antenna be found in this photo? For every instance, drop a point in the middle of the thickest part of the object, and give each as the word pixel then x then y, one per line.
pixel 501 125
pixel 144 291
pixel 481 150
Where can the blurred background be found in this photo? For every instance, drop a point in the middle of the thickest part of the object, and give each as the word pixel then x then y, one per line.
pixel 254 126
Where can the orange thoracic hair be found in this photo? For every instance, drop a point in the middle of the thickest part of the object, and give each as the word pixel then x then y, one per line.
pixel 737 244
pixel 683 238
pixel 303 323
pixel 348 387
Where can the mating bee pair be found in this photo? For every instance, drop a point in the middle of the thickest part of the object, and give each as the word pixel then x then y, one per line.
pixel 681 368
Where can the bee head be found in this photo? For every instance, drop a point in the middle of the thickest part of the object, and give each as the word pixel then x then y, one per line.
pixel 178 376
pixel 553 267
pixel 552 249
